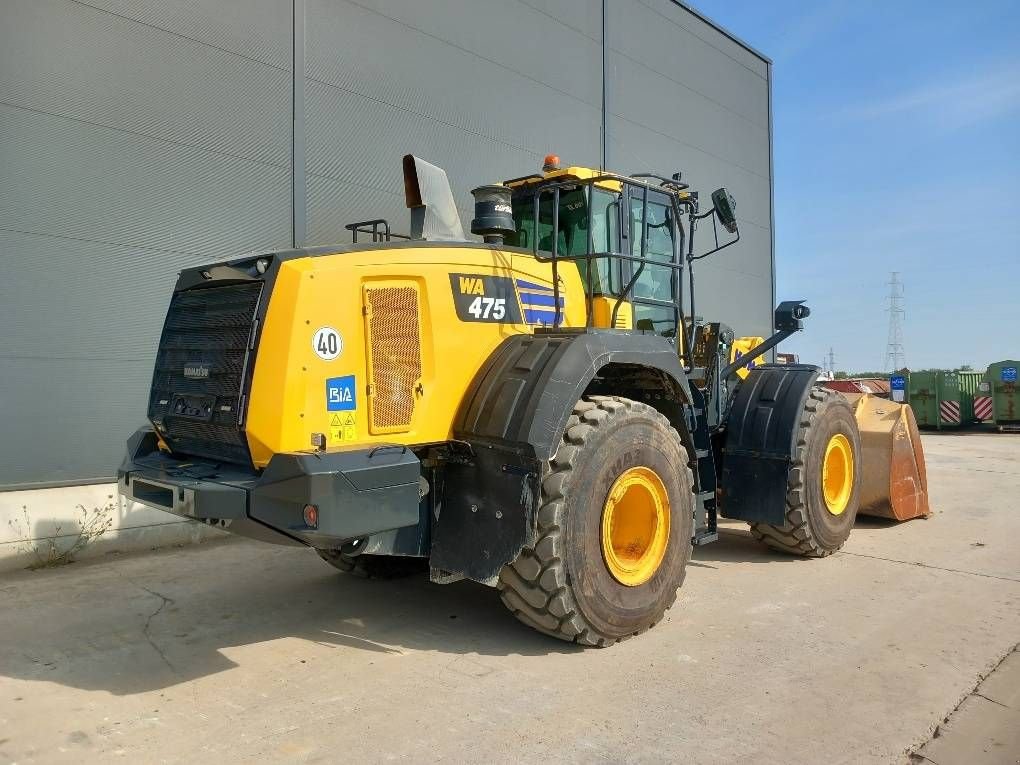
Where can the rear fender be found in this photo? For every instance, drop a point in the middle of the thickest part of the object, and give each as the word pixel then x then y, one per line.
pixel 511 424
pixel 524 394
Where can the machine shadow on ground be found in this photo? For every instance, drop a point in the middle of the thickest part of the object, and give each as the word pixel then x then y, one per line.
pixel 152 622
pixel 736 545
pixel 147 623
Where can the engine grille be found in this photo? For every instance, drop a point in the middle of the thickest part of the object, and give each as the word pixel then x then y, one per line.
pixel 208 331
pixel 394 343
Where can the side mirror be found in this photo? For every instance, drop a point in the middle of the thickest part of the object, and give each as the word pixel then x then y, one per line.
pixel 725 209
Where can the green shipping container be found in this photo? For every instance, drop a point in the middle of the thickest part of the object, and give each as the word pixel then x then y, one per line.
pixel 936 399
pixel 971 384
pixel 1005 391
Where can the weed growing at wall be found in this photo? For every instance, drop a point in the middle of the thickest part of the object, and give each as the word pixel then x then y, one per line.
pixel 59 546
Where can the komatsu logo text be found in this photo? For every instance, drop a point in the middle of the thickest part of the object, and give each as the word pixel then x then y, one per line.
pixel 196 371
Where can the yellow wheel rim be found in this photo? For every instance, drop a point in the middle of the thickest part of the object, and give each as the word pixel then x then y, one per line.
pixel 837 474
pixel 635 526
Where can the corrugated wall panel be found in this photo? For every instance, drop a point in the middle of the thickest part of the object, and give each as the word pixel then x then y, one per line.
pixel 485 94
pixel 74 299
pixel 107 70
pixel 668 38
pixel 128 150
pixel 584 16
pixel 255 29
pixel 66 178
pixel 683 96
pixel 526 42
pixel 66 420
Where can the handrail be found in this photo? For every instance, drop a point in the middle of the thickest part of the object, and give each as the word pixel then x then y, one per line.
pixel 380 230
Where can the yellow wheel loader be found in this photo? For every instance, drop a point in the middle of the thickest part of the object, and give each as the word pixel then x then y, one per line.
pixel 538 411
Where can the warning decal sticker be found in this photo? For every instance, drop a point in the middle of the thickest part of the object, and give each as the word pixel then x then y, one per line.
pixel 343 427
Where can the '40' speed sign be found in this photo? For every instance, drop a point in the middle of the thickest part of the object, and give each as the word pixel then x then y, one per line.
pixel 327 343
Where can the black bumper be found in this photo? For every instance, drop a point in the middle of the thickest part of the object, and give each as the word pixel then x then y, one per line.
pixel 357 492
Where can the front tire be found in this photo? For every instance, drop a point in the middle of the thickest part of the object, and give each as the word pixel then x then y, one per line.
pixel 614 528
pixel 824 486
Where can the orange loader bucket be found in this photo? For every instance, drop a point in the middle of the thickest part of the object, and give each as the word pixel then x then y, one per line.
pixel 893 479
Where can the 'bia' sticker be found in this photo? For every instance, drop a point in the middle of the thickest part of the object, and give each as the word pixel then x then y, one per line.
pixel 327 343
pixel 342 396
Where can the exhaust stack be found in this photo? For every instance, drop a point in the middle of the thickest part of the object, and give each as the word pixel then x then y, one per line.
pixel 428 196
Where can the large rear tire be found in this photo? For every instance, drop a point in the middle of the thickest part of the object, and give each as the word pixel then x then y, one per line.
pixel 823 491
pixel 374 566
pixel 614 528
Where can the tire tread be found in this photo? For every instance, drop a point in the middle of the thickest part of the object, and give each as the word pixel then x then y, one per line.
pixel 795 535
pixel 536 587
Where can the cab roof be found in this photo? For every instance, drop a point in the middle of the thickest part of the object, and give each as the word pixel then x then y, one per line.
pixel 566 173
pixel 608 180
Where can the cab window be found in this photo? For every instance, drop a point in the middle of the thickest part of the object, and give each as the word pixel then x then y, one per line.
pixel 572 237
pixel 656 281
pixel 652 293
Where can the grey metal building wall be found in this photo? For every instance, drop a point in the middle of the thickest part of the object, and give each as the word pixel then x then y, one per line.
pixel 485 90
pixel 138 137
pixel 682 95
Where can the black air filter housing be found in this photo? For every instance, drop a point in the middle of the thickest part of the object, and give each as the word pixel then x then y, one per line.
pixel 494 213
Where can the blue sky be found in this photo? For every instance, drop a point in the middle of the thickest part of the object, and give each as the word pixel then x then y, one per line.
pixel 897 147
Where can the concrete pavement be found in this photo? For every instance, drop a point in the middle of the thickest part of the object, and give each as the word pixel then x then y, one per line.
pixel 237 651
pixel 985 728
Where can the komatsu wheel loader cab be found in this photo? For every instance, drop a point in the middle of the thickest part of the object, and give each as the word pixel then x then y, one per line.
pixel 537 411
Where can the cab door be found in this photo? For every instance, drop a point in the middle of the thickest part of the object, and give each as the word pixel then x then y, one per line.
pixel 650 228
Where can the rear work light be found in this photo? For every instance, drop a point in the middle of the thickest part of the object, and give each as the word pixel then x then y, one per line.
pixel 311 514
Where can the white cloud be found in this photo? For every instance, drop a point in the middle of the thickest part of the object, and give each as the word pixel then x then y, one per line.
pixel 951 103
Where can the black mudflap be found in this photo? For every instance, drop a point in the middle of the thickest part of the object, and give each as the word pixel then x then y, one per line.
pixel 761 432
pixel 485 514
